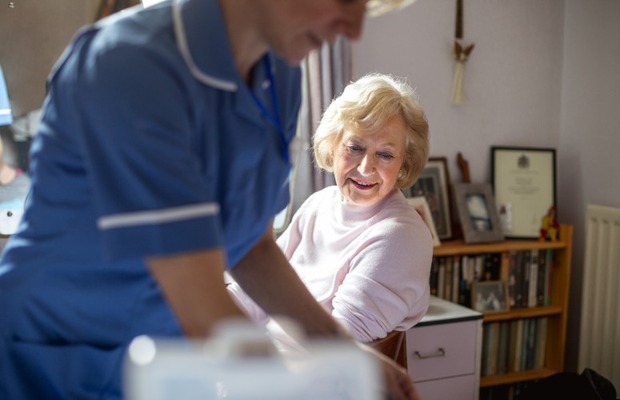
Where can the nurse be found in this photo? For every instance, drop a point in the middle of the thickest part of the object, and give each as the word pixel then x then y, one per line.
pixel 160 160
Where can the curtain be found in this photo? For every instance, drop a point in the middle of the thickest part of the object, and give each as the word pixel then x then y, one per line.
pixel 326 72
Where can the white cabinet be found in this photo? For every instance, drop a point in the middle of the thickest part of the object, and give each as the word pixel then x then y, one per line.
pixel 443 352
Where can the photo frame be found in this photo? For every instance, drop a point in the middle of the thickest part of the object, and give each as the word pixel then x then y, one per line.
pixel 524 186
pixel 477 212
pixel 434 185
pixel 489 297
pixel 421 206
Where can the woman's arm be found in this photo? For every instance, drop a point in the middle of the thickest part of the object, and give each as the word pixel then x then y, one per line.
pixel 386 287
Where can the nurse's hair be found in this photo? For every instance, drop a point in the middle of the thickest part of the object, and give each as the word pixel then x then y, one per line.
pixel 364 107
pixel 379 7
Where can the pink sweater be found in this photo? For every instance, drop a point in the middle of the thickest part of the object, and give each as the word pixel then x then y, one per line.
pixel 368 266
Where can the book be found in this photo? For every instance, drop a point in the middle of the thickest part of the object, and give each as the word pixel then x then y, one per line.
pixel 448 279
pixel 478 268
pixel 494 348
pixel 530 352
pixel 468 264
pixel 464 282
pixel 504 270
pixel 491 267
pixel 524 343
pixel 512 345
pixel 512 278
pixel 486 350
pixel 550 259
pixel 456 278
pixel 526 262
pixel 541 343
pixel 441 277
pixel 533 279
pixel 516 366
pixel 541 282
pixel 434 276
pixel 503 347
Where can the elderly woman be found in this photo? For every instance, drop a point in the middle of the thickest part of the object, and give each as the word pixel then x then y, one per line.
pixel 359 247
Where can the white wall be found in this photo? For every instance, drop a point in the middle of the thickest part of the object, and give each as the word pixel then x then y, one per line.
pixel 33 35
pixel 542 73
pixel 512 78
pixel 590 124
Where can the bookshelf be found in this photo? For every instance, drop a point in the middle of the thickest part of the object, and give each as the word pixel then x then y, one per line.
pixel 554 309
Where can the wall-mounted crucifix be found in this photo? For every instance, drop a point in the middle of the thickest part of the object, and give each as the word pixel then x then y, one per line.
pixel 461 54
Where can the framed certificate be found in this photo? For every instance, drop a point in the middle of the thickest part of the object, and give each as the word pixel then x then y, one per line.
pixel 524 184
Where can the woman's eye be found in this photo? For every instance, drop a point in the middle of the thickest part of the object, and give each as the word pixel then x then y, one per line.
pixel 355 148
pixel 386 156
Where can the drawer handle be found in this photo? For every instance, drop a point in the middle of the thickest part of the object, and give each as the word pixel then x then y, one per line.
pixel 439 353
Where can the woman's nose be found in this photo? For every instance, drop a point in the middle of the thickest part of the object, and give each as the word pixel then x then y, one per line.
pixel 367 165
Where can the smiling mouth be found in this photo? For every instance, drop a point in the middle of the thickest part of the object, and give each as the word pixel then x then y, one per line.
pixel 362 185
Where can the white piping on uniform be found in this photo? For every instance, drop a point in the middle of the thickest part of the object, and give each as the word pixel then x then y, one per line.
pixel 158 216
pixel 179 31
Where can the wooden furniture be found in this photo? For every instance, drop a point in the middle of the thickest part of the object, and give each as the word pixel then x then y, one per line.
pixel 443 352
pixel 393 345
pixel 556 313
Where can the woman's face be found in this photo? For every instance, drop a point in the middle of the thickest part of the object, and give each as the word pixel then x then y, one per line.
pixel 366 166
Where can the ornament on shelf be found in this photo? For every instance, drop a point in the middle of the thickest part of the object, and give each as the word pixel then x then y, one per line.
pixel 550 228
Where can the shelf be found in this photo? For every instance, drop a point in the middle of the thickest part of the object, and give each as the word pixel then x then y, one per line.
pixel 519 313
pixel 458 247
pixel 514 377
pixel 556 313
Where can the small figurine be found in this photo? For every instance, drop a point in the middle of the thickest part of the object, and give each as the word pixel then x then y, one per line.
pixel 550 226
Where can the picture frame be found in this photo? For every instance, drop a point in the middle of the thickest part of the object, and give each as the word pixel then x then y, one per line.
pixel 434 185
pixel 524 186
pixel 489 297
pixel 477 212
pixel 421 206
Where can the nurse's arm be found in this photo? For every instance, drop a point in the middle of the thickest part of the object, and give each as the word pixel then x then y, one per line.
pixel 193 284
pixel 267 277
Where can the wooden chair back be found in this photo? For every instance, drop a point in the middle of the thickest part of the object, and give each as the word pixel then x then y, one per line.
pixel 394 345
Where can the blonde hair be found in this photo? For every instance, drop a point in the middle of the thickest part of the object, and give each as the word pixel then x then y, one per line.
pixel 365 106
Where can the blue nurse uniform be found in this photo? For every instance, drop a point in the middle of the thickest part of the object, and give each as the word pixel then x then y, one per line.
pixel 150 144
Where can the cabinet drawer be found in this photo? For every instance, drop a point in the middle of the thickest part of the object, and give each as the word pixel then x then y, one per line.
pixel 442 350
pixel 457 388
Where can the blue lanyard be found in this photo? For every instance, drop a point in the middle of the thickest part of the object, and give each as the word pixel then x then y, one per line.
pixel 274 119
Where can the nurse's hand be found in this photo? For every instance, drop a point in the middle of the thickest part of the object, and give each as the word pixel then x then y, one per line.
pixel 397 382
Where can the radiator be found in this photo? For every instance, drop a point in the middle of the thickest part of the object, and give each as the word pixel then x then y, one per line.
pixel 599 343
